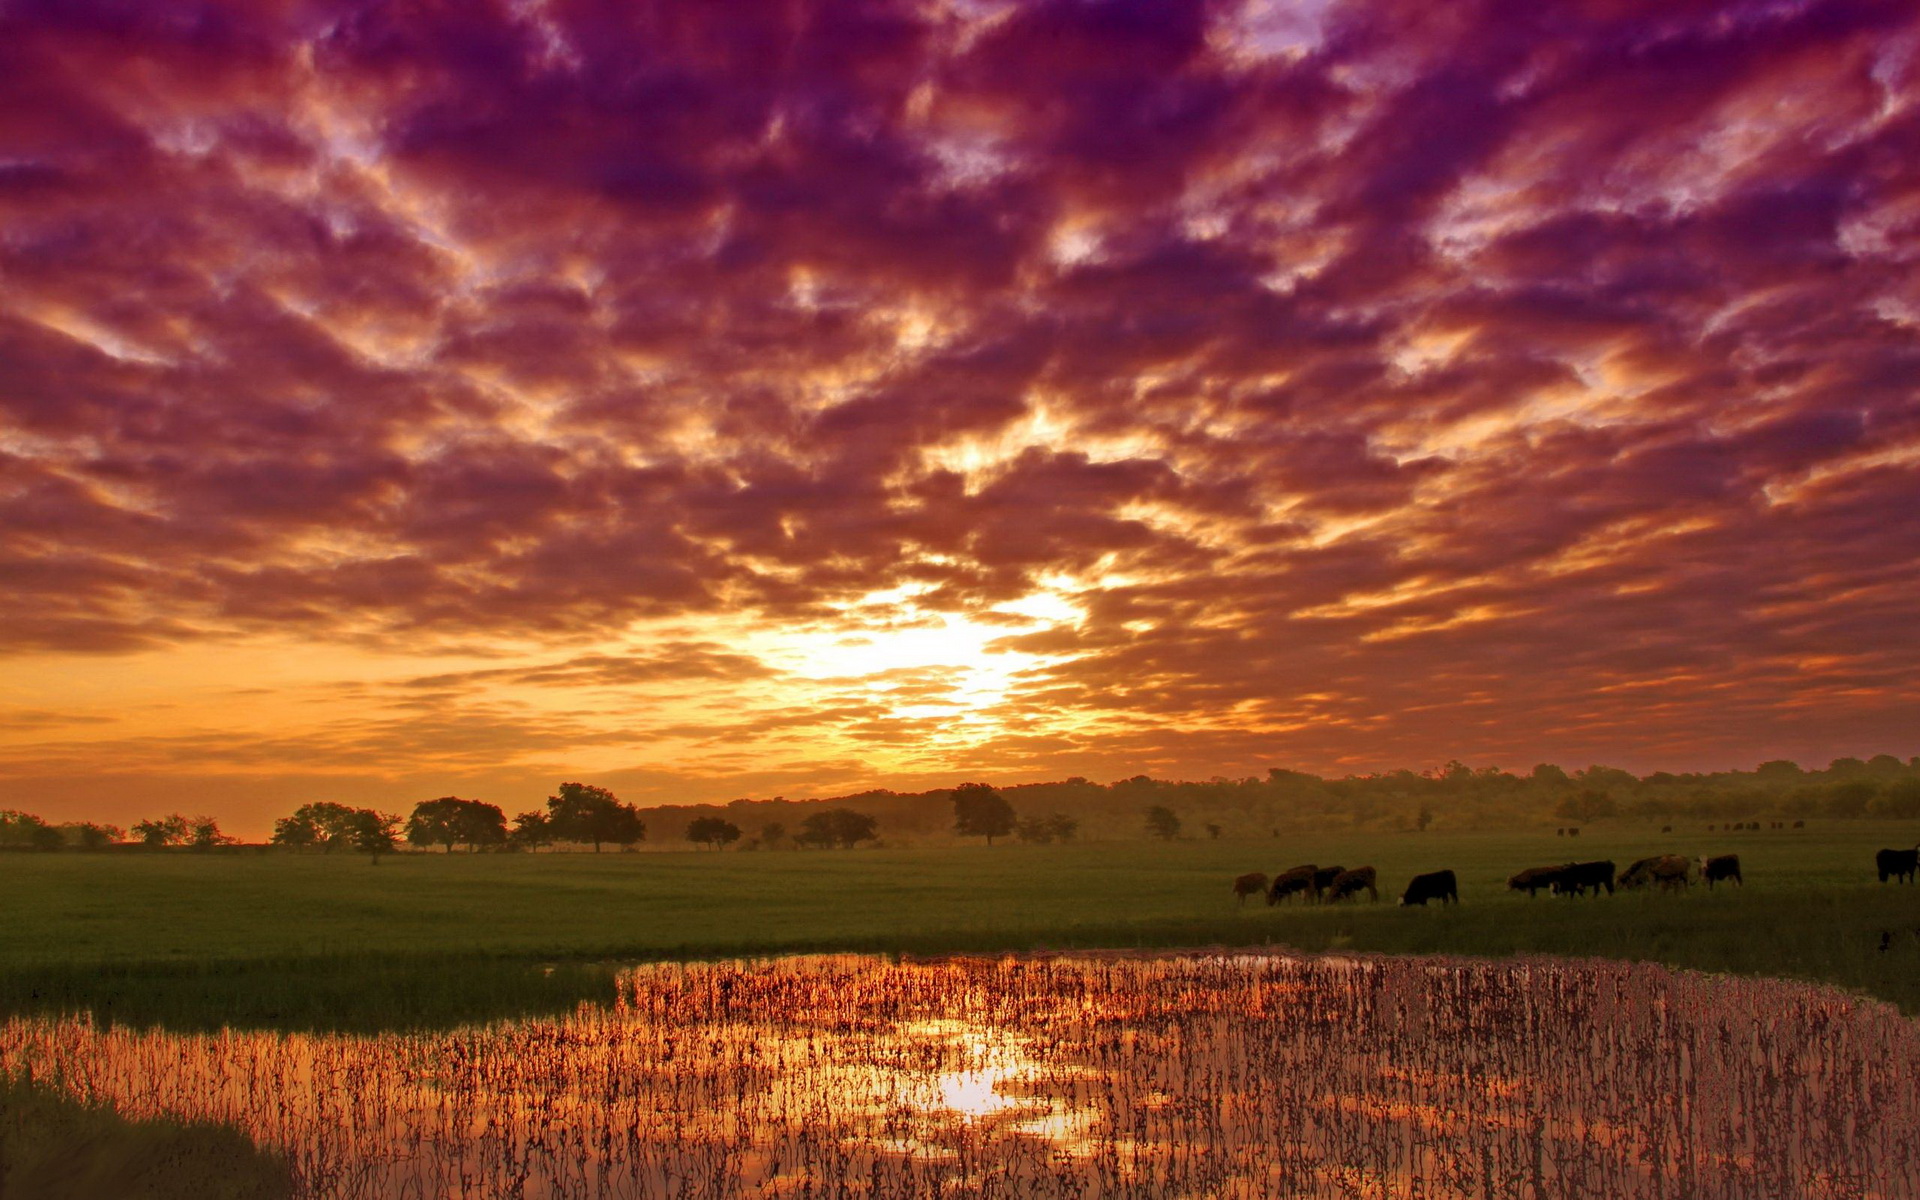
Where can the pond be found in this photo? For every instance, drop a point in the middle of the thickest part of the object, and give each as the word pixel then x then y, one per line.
pixel 1087 1076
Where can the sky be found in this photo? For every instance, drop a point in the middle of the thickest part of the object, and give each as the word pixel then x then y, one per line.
pixel 748 399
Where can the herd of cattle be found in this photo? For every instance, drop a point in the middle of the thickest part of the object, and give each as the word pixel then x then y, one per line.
pixel 1316 884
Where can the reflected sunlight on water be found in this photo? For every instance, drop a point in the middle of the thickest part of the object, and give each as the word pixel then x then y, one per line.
pixel 1086 1076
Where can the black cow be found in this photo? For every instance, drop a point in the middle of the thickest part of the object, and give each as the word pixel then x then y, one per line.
pixel 1533 879
pixel 1296 879
pixel 1576 878
pixel 1323 879
pixel 1346 883
pixel 1897 864
pixel 1721 866
pixel 1435 885
pixel 1250 884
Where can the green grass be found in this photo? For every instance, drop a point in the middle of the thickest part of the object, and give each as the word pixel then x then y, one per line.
pixel 314 940
pixel 55 1148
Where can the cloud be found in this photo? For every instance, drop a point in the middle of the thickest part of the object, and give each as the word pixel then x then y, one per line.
pixel 1370 387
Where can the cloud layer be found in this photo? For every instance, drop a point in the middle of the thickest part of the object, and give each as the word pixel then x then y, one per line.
pixel 1334 383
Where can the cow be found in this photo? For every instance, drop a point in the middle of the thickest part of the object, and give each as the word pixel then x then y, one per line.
pixel 1672 871
pixel 1296 879
pixel 1897 864
pixel 1533 879
pixel 1666 829
pixel 1560 832
pixel 1573 831
pixel 1346 883
pixel 1323 879
pixel 1639 873
pixel 1799 824
pixel 1721 866
pixel 1667 870
pixel 1576 878
pixel 1250 884
pixel 1435 885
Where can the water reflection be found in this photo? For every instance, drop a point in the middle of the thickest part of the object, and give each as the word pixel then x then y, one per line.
pixel 1228 1076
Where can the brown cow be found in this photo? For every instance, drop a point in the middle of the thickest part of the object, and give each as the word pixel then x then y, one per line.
pixel 1250 884
pixel 1535 879
pixel 1294 879
pixel 1346 883
pixel 1323 879
pixel 1667 870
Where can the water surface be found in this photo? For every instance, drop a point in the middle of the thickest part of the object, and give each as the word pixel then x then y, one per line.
pixel 1084 1076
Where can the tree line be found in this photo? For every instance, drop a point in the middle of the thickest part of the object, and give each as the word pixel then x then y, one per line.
pixel 1450 796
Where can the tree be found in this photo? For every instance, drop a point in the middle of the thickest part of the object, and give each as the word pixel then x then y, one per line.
pixel 837 827
pixel 374 833
pixel 712 831
pixel 24 831
pixel 771 833
pixel 582 812
pixel 1057 828
pixel 296 832
pixel 530 831
pixel 322 822
pixel 450 819
pixel 1163 823
pixel 169 830
pixel 203 834
pixel 1588 805
pixel 980 811
pixel 89 836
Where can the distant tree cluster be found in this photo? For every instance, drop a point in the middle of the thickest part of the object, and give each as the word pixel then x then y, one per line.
pixel 1452 796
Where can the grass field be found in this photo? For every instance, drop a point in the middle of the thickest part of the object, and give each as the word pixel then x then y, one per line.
pixel 330 940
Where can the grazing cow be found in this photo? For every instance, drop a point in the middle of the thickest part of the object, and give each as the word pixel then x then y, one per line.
pixel 1721 866
pixel 1667 870
pixel 1346 883
pixel 1672 871
pixel 1560 832
pixel 1799 824
pixel 1323 879
pixel 1639 873
pixel 1897 864
pixel 1572 831
pixel 1533 879
pixel 1576 878
pixel 1250 884
pixel 1435 885
pixel 1666 829
pixel 1297 879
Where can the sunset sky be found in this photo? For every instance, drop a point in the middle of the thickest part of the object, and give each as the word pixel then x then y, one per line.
pixel 737 399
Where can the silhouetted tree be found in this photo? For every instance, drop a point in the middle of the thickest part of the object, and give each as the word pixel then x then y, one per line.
pixel 1163 823
pixel 24 831
pixel 771 833
pixel 450 819
pixel 203 834
pixel 374 833
pixel 530 831
pixel 980 811
pixel 582 812
pixel 89 836
pixel 322 823
pixel 169 830
pixel 837 827
pixel 712 831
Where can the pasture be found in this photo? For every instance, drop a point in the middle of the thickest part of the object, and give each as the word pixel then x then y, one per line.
pixel 422 939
